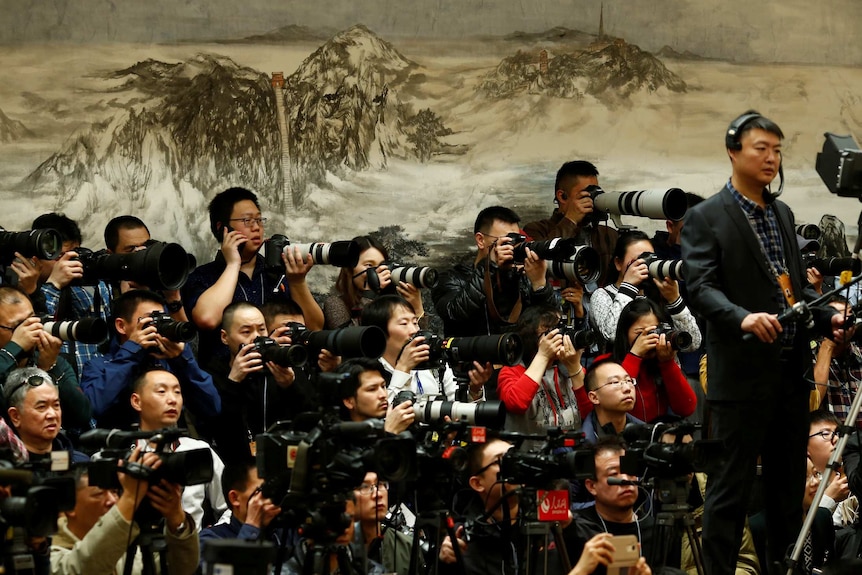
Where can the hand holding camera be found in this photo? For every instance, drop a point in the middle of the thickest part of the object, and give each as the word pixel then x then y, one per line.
pixel 399 417
pixel 668 288
pixel 27 270
pixel 67 269
pixel 48 347
pixel 296 266
pixel 26 335
pixel 579 206
pixel 646 342
pixel 261 510
pixel 536 269
pixel 636 272
pixel 503 252
pixel 167 499
pixel 550 344
pixel 415 352
pixel 134 489
pixel 247 361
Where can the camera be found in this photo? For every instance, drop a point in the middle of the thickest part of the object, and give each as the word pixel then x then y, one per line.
pixel 670 459
pixel 369 341
pixel 832 266
pixel 192 467
pixel 667 204
pixel 162 266
pixel 283 355
pixel 839 165
pixel 434 411
pixel 809 231
pixel 583 266
pixel 557 249
pixel 421 277
pixel 503 349
pixel 343 254
pixel 86 330
pixel 540 468
pixel 677 339
pixel 44 244
pixel 660 269
pixel 39 491
pixel 174 330
pixel 582 338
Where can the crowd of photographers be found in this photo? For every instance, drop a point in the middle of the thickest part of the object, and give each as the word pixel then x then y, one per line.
pixel 169 417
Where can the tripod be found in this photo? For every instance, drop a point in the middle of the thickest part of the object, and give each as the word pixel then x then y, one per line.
pixel 538 535
pixel 149 543
pixel 318 560
pixel 673 520
pixel 433 524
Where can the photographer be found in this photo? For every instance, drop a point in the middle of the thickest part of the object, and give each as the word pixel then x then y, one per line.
pixel 24 342
pixel 633 281
pixel 250 511
pixel 93 538
pixel 254 394
pixel 67 301
pixel 345 307
pixel 572 217
pixel 158 399
pixel 363 395
pixel 135 346
pixel 487 296
pixel 540 391
pixel 405 352
pixel 648 355
pixel 238 272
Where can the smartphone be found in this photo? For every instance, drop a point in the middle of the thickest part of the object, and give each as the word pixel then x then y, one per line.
pixel 626 554
pixel 226 230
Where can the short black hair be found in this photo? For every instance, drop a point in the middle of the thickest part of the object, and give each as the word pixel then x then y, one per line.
pixel 379 311
pixel 235 477
pixel 591 375
pixel 112 230
pixel 65 226
pixel 222 205
pixel 633 311
pixel 823 416
pixel 124 305
pixel 760 122
pixel 279 307
pixel 608 443
pixel 488 216
pixel 230 310
pixel 569 173
pixel 355 367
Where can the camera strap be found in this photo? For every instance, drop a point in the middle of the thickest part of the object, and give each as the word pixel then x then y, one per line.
pixel 489 297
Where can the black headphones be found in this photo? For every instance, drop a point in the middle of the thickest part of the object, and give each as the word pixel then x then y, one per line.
pixel 732 141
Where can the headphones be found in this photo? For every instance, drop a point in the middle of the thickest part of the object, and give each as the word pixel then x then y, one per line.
pixel 732 141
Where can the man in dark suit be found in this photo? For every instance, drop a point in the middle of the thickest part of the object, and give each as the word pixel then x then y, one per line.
pixel 744 270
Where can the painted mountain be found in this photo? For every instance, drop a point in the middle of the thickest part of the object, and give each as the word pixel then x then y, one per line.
pixel 12 130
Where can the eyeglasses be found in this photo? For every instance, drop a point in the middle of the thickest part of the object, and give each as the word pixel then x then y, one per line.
pixel 487 467
pixel 32 381
pixel 619 383
pixel 825 435
pixel 814 478
pixel 369 488
pixel 247 222
pixel 13 328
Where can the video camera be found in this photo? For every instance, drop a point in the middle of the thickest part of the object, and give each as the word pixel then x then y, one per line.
pixel 839 165
pixel 160 266
pixel 672 459
pixel 832 266
pixel 561 455
pixel 40 490
pixel 343 254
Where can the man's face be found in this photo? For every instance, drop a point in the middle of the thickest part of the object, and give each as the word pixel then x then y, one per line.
pixel 616 497
pixel 759 158
pixel 574 194
pixel 497 230
pixel 402 325
pixel 372 499
pixel 11 315
pixel 242 497
pixel 91 503
pixel 612 392
pixel 126 329
pixel 370 399
pixel 246 325
pixel 39 419
pixel 821 443
pixel 159 401
pixel 47 266
pixel 487 482
pixel 246 210
pixel 130 240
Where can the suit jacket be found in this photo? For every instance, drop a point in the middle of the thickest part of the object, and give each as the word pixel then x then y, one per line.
pixel 728 277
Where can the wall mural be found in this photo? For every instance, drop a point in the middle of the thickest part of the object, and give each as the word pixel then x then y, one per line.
pixel 409 119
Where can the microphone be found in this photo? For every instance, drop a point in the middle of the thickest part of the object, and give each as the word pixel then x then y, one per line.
pixel 620 481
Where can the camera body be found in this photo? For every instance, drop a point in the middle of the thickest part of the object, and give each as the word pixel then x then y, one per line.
pixel 174 330
pixel 283 355
pixel 677 339
pixel 581 338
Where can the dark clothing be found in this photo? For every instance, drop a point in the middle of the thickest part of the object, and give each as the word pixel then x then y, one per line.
pixel 250 407
pixel 587 523
pixel 822 538
pixel 461 303
pixel 754 388
pixel 600 237
pixel 108 379
pixel 73 402
pixel 261 287
pixel 593 431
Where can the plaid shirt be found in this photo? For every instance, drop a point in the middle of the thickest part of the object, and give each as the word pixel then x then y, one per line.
pixel 764 222
pixel 82 305
pixel 845 373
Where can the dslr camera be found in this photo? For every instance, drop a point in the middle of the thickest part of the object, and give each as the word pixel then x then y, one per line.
pixel 283 355
pixel 677 339
pixel 168 327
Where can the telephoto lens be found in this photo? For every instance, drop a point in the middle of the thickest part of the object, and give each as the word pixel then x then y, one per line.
pixel 86 330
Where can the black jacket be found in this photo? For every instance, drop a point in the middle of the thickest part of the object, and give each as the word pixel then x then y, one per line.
pixel 459 298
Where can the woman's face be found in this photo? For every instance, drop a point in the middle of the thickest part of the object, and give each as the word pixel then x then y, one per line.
pixel 370 258
pixel 640 324
pixel 632 252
